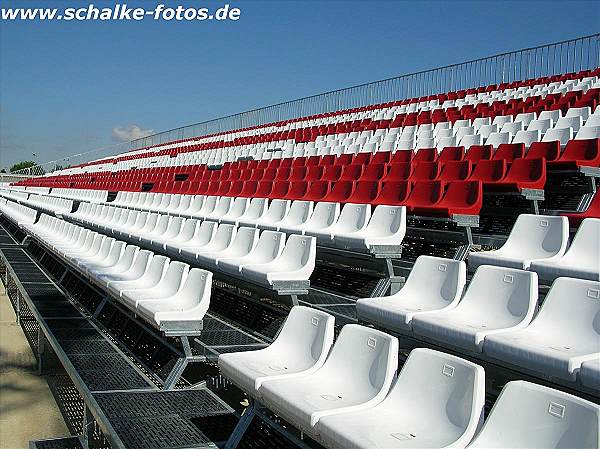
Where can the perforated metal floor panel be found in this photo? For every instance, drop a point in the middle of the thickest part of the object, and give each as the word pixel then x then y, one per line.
pixel 161 419
pixel 5 238
pixel 58 443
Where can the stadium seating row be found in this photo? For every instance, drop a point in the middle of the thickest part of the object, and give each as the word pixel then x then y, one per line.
pixel 355 227
pixel 17 213
pixel 261 257
pixel 494 315
pixel 502 127
pixel 551 100
pixel 437 399
pixel 159 290
pixel 539 243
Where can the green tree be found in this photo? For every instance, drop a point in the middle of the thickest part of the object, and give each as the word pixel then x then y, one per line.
pixel 21 165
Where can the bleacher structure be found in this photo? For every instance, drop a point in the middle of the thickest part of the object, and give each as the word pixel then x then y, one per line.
pixel 422 272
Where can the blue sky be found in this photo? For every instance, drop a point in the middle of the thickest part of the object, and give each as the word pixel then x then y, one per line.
pixel 65 87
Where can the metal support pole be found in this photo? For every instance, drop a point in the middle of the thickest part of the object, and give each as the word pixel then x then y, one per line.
pixel 18 308
pixel 41 351
pixel 294 299
pixel 181 364
pixel 88 427
pixel 242 426
pixel 100 307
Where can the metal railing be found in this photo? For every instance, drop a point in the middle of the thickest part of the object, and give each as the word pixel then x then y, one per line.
pixel 572 55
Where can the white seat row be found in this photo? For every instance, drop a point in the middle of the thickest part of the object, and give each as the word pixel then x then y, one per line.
pixel 345 396
pixel 92 196
pixel 352 228
pixel 49 204
pixel 495 315
pixel 157 289
pixel 539 243
pixel 261 257
pixel 14 195
pixel 16 212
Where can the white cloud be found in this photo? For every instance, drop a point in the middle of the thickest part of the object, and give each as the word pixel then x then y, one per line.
pixel 131 132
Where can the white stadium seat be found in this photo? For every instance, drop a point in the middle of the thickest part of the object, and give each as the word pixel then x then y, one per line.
pixel 369 355
pixel 353 218
pixel 561 337
pixel 295 263
pixel 437 401
pixel 434 283
pixel 533 238
pixel 497 300
pixel 301 348
pixel 528 415
pixel 168 285
pixel 189 304
pixel 386 227
pixel 589 373
pixel 582 259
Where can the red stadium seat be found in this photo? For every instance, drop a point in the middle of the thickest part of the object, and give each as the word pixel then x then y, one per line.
pixel 317 190
pixel 425 171
pixel 580 153
pixel 340 192
pixel 489 172
pixel 364 192
pixel 524 174
pixel 373 172
pixel 452 154
pixel 425 195
pixel 398 172
pixel 548 150
pixel 426 155
pixel 509 151
pixel 477 153
pixel 456 171
pixel 393 193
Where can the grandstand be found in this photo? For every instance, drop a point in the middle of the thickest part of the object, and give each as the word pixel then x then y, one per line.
pixel 417 272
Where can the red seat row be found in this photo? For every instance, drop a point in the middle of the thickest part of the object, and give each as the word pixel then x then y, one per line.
pixel 512 107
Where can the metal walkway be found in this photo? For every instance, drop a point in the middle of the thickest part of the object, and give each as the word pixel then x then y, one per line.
pixel 119 397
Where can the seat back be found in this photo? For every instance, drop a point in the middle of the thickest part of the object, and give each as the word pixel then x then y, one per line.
pixel 245 240
pixel 370 355
pixel 239 206
pixel 528 415
pixel 223 206
pixel 443 388
pixel 307 333
pixel 436 279
pixel 299 251
pixel 504 296
pixel 126 258
pixel 174 274
pixel 269 246
pixel 299 212
pixel 188 229
pixel 277 210
pixel 572 308
pixel 535 232
pixel 204 233
pixel 195 292
pixel 210 202
pixel 353 217
pixel 256 209
pixel 388 220
pixel 324 214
